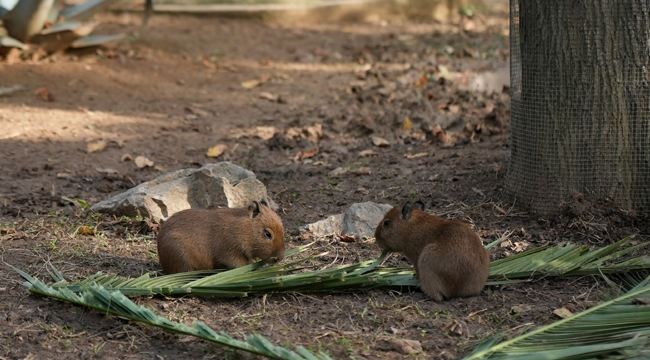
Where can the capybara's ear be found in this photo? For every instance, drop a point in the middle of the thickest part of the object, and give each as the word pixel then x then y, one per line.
pixel 420 205
pixel 254 209
pixel 407 210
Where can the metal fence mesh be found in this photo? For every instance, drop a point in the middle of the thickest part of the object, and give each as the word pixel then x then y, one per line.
pixel 580 91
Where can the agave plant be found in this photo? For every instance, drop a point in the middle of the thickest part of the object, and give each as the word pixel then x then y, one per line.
pixel 42 27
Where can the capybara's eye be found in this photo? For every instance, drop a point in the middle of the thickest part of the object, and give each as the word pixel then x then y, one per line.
pixel 267 234
pixel 386 223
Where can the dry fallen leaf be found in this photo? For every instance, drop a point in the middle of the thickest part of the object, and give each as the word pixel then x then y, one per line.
pixel 455 327
pixel 387 89
pixel 268 96
pixel 361 171
pixel 412 156
pixel 265 132
pixel 348 238
pixel 142 161
pixel 126 157
pixel 94 146
pixel 381 142
pixel 336 172
pixel 45 94
pixel 119 142
pixel 186 339
pixel 215 151
pixel 368 152
pixel 106 170
pixel 408 125
pixel 397 331
pixel 239 133
pixel 506 243
pixel 85 110
pixel 314 133
pixel 521 246
pixel 211 66
pixel 520 309
pixel 455 109
pixel 563 312
pixel 196 111
pixel 292 133
pixel 86 230
pixel 422 81
pixel 305 154
pixel 501 210
pixel 321 163
pixel 439 133
pixel 405 346
pixel 363 190
pixel 251 83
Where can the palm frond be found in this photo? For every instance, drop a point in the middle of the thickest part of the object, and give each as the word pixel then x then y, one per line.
pixel 615 329
pixel 255 279
pixel 560 260
pixel 569 260
pixel 114 302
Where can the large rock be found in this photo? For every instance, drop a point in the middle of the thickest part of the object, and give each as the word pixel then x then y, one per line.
pixel 359 220
pixel 185 189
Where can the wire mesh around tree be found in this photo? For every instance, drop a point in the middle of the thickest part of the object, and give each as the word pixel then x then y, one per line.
pixel 580 89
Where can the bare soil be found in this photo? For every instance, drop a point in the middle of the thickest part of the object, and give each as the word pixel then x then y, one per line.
pixel 171 91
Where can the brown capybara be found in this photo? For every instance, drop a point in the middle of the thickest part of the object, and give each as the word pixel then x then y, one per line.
pixel 200 239
pixel 448 256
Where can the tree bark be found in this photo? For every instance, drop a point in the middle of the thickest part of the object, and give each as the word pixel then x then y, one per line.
pixel 580 73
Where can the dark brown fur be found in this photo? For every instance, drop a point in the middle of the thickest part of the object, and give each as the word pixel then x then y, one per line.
pixel 448 256
pixel 198 239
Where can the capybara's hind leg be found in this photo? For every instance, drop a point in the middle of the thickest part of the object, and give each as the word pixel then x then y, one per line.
pixel 429 273
pixel 430 282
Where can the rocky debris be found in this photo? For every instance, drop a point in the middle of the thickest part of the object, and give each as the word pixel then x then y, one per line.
pixel 188 188
pixel 359 220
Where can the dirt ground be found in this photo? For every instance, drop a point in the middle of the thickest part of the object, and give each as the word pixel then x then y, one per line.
pixel 272 93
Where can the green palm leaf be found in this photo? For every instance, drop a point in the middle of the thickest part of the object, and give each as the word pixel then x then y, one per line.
pixel 615 329
pixel 592 337
pixel 114 302
pixel 560 260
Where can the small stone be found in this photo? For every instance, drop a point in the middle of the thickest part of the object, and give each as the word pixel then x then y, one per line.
pixel 359 220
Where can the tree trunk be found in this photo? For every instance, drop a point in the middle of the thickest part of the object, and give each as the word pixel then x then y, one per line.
pixel 580 73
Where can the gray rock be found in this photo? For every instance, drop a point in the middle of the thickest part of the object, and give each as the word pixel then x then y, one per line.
pixel 359 220
pixel 185 189
pixel 244 192
pixel 331 225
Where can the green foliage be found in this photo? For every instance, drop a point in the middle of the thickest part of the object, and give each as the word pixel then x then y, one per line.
pixel 620 326
pixel 615 329
pixel 114 302
pixel 559 260
pixel 256 279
